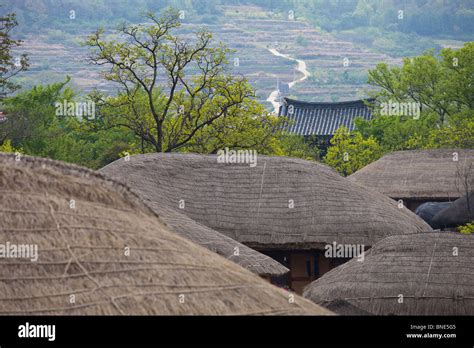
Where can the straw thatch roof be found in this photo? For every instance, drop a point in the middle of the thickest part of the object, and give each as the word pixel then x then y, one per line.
pixel 418 174
pixel 253 204
pixel 460 212
pixel 219 243
pixel 342 307
pixel 198 233
pixel 102 251
pixel 431 273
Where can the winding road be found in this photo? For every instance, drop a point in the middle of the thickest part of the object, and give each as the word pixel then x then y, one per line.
pixel 274 96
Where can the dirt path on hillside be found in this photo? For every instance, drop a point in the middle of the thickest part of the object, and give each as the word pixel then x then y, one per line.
pixel 301 67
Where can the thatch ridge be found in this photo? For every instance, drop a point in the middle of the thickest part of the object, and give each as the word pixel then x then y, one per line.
pixel 213 240
pixel 82 253
pixel 342 307
pixel 252 204
pixel 219 243
pixel 417 174
pixel 433 272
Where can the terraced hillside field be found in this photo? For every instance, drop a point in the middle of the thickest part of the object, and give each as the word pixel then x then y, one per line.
pixel 337 68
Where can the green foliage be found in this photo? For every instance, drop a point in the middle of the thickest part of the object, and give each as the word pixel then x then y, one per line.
pixel 209 104
pixel 297 146
pixel 467 228
pixel 395 133
pixel 9 67
pixel 251 127
pixel 7 147
pixel 33 127
pixel 55 14
pixel 459 133
pixel 31 114
pixel 420 17
pixel 427 18
pixel 351 151
pixel 442 87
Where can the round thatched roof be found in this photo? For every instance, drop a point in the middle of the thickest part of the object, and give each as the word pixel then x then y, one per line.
pixel 279 202
pixel 198 233
pixel 434 272
pixel 102 251
pixel 418 174
pixel 219 243
pixel 460 212
pixel 342 307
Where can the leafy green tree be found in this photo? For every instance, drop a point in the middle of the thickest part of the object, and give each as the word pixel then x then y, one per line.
pixel 9 66
pixel 467 228
pixel 7 147
pixel 441 85
pixel 34 126
pixel 459 133
pixel 197 91
pixel 252 127
pixel 350 151
pixel 292 145
pixel 443 88
pixel 395 133
pixel 32 114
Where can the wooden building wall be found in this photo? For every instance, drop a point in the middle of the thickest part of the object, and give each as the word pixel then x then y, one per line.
pixel 305 266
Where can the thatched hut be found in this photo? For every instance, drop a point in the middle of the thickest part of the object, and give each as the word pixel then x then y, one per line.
pixel 74 242
pixel 289 209
pixel 419 176
pixel 219 243
pixel 416 274
pixel 342 307
pixel 460 212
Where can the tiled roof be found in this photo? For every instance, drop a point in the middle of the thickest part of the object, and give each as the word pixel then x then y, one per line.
pixel 310 118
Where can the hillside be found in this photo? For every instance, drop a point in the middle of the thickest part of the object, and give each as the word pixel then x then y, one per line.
pixel 337 67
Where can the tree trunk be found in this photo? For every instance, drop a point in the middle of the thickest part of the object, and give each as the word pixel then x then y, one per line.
pixel 159 136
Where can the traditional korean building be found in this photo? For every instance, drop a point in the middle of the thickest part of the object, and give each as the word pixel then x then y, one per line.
pixel 286 208
pixel 323 119
pixel 112 252
pixel 415 274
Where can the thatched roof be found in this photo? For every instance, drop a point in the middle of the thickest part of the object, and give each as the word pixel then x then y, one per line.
pixel 423 268
pixel 342 307
pixel 457 214
pixel 198 233
pixel 219 243
pixel 82 224
pixel 252 204
pixel 418 174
